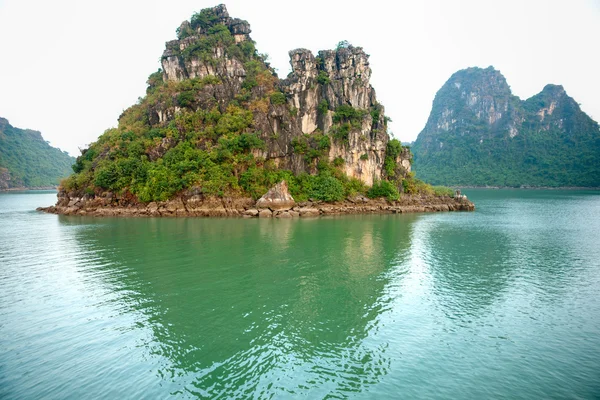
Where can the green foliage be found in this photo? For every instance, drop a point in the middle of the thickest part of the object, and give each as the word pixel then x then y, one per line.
pixel 278 98
pixel 186 99
pixel 106 176
pixel 204 19
pixel 327 188
pixel 319 62
pixel 394 148
pixel 202 48
pixel 375 114
pixel 347 113
pixel 346 118
pixel 341 132
pixel 184 31
pixel 383 189
pixel 364 156
pixel 443 191
pixel 389 166
pixel 412 185
pixel 338 162
pixel 30 160
pixel 323 107
pixel 344 44
pixel 323 78
pixel 248 49
pixel 519 149
pixel 311 146
pixel 253 68
pixel 154 80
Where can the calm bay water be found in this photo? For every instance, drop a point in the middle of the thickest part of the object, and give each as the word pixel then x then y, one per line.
pixel 503 303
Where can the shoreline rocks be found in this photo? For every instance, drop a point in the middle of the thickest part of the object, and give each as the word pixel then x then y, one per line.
pixel 277 198
pixel 199 206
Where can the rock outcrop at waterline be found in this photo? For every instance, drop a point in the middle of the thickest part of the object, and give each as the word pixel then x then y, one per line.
pixel 218 127
pixel 190 205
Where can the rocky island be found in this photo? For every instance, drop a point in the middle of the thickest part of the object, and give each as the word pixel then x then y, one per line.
pixel 480 134
pixel 218 130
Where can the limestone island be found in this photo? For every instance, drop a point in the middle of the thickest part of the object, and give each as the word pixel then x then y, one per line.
pixel 219 134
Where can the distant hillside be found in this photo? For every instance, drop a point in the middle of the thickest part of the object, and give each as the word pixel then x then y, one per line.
pixel 27 160
pixel 480 134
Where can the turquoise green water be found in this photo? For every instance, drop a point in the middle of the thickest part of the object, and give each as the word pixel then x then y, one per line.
pixel 499 303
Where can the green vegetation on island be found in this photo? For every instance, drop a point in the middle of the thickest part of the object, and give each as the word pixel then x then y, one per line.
pixel 27 160
pixel 208 133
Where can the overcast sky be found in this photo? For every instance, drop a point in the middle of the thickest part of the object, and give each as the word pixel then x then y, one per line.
pixel 69 68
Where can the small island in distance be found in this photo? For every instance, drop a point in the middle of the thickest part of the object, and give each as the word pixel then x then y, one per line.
pixel 27 161
pixel 217 129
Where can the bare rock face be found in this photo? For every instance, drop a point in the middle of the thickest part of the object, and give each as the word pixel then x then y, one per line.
pixel 178 65
pixel 319 85
pixel 277 198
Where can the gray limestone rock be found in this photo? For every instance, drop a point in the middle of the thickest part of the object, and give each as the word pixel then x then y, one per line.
pixel 266 213
pixel 277 198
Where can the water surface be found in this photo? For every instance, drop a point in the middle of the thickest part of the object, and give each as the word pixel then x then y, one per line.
pixel 502 302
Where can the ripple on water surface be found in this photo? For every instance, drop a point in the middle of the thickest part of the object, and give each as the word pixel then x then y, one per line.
pixel 501 302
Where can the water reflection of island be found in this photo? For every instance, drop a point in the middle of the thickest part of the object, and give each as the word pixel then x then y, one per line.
pixel 469 266
pixel 252 308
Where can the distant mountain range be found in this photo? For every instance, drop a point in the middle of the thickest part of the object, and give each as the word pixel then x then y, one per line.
pixel 480 134
pixel 27 160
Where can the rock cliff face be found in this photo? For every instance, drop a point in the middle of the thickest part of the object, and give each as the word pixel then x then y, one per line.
pixel 479 134
pixel 315 88
pixel 318 86
pixel 177 68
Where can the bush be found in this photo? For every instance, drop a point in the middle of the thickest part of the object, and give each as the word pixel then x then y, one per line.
pixel 203 47
pixel 342 132
pixel 186 99
pixel 278 98
pixel 106 176
pixel 383 189
pixel 204 19
pixel 323 107
pixel 413 185
pixel 354 186
pixel 375 114
pixel 348 113
pixel 247 48
pixel 327 188
pixel 311 146
pixel 344 44
pixel 394 148
pixel 338 162
pixel 443 191
pixel 323 78
pixel 154 80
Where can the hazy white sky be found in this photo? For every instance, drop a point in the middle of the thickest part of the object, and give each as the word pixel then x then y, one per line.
pixel 69 68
